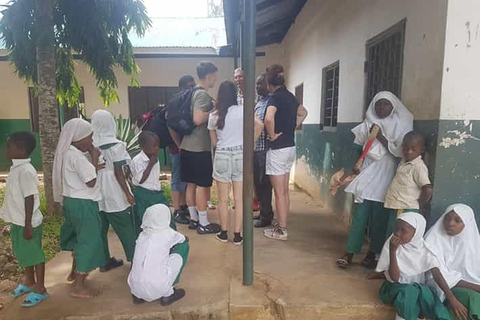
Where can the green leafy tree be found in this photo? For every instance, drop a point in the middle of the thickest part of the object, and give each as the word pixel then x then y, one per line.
pixel 45 37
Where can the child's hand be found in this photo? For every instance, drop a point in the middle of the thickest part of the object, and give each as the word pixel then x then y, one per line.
pixel 356 170
pixel 186 239
pixel 130 199
pixel 28 232
pixel 459 309
pixel 153 158
pixel 394 243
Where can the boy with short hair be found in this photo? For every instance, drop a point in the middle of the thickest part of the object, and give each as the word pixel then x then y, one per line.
pixel 21 209
pixel 411 189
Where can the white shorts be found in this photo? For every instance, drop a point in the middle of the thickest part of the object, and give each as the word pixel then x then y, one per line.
pixel 280 161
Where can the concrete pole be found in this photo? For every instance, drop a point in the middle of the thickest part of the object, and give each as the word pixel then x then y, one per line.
pixel 248 46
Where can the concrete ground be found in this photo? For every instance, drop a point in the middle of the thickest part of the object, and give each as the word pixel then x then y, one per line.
pixel 296 279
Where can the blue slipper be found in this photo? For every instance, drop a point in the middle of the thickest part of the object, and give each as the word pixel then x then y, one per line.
pixel 34 299
pixel 20 290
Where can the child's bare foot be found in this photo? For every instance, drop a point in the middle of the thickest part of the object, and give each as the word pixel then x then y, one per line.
pixel 377 276
pixel 72 276
pixel 84 292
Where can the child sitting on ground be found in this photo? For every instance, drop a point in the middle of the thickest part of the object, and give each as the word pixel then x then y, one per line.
pixel 455 240
pixel 405 260
pixel 411 189
pixel 160 256
pixel 21 209
pixel 146 177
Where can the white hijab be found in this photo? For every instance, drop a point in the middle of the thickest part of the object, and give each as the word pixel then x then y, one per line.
pixel 394 127
pixel 413 258
pixel 458 255
pixel 74 130
pixel 104 128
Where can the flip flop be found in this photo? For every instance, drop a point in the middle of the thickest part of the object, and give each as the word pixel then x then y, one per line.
pixel 33 299
pixel 342 263
pixel 20 290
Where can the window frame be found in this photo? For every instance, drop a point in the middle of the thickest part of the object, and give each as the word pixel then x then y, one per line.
pixel 325 70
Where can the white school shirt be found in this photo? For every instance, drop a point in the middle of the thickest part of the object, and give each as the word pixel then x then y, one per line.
pixel 113 197
pixel 138 165
pixel 22 182
pixel 77 171
pixel 232 133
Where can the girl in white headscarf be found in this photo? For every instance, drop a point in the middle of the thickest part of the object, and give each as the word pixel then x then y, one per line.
pixel 405 259
pixel 455 241
pixel 160 256
pixel 117 199
pixel 370 186
pixel 75 186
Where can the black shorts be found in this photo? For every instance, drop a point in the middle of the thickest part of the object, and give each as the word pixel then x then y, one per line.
pixel 197 167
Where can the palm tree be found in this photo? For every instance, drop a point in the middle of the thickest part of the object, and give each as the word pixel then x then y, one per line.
pixel 44 37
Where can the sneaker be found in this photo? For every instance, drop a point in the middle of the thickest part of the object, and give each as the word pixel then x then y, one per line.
pixel 179 217
pixel 237 239
pixel 112 263
pixel 193 225
pixel 222 236
pixel 277 233
pixel 262 224
pixel 211 206
pixel 208 229
pixel 256 217
pixel 177 295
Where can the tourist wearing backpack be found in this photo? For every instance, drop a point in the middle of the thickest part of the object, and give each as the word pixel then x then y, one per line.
pixel 195 151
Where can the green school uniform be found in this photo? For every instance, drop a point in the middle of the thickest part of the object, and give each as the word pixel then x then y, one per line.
pixel 81 233
pixel 182 249
pixel 27 252
pixel 145 198
pixel 413 300
pixel 470 299
pixel 121 222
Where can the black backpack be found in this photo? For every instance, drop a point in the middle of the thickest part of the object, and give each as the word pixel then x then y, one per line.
pixel 158 125
pixel 180 117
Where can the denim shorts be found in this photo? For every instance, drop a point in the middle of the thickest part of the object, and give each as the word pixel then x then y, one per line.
pixel 228 164
pixel 177 183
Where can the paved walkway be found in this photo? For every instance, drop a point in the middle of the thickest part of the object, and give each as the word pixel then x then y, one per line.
pixel 294 280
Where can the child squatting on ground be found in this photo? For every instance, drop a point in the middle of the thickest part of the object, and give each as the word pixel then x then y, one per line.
pixel 75 187
pixel 405 261
pixel 117 199
pixel 160 256
pixel 21 209
pixel 146 177
pixel 373 179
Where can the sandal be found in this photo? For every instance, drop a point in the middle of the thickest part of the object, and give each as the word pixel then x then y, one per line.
pixel 112 263
pixel 20 290
pixel 369 261
pixel 343 262
pixel 33 299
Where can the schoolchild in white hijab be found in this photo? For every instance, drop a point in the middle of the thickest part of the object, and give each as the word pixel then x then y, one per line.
pixel 75 186
pixel 405 259
pixel 455 241
pixel 117 199
pixel 156 265
pixel 370 186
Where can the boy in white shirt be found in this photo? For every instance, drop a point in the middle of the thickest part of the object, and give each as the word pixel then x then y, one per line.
pixel 146 177
pixel 21 209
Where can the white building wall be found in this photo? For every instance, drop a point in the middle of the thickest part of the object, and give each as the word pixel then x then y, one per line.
pixel 330 30
pixel 461 77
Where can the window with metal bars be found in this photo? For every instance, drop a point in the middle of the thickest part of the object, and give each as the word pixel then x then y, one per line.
pixel 144 99
pixel 331 77
pixel 384 63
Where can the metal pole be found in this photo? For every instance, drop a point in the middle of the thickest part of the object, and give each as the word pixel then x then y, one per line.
pixel 248 64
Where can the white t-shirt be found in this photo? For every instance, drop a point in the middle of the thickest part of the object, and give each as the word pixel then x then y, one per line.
pixel 138 165
pixel 232 133
pixel 113 197
pixel 22 182
pixel 77 171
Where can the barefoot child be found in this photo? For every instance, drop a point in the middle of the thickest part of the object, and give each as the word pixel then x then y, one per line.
pixel 455 241
pixel 371 184
pixel 405 260
pixel 75 187
pixel 117 199
pixel 146 177
pixel 21 209
pixel 160 256
pixel 411 189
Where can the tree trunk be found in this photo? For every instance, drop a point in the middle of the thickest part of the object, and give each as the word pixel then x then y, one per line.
pixel 47 100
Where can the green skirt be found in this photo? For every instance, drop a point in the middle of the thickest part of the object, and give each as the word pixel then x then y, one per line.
pixel 413 300
pixel 470 299
pixel 81 233
pixel 145 198
pixel 182 249
pixel 27 252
